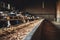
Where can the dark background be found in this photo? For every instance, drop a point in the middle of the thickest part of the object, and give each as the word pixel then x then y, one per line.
pixel 23 3
pixel 34 7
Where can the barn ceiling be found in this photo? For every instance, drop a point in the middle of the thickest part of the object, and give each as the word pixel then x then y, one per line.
pixel 23 3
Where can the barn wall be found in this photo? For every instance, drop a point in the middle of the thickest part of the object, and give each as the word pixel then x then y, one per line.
pixel 48 11
pixel 58 11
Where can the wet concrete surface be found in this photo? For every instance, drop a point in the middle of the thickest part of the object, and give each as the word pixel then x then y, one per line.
pixel 46 31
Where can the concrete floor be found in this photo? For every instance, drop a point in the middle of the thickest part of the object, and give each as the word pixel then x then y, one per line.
pixel 46 31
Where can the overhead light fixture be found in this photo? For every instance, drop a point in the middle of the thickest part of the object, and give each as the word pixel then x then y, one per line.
pixel 43 5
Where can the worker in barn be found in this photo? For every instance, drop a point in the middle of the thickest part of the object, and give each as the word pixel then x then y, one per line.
pixel 8 21
pixel 8 18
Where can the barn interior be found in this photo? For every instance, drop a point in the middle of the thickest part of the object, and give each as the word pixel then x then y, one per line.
pixel 21 14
